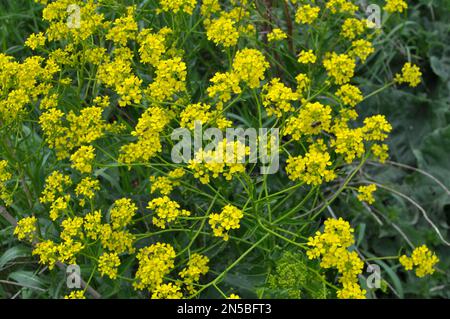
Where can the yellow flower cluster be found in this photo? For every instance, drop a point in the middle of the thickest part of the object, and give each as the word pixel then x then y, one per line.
pixel 122 213
pixel 86 189
pixel 228 219
pixel 175 6
pixel 123 28
pixel 348 142
pixel 226 28
pixel 148 131
pixel 331 246
pixel 312 168
pixel 196 266
pixel 341 6
pixel 170 80
pixel 349 94
pixel 72 228
pixel 5 176
pixel 155 262
pixel 81 129
pixel 55 185
pixel 108 264
pixel 340 67
pixel 376 128
pixel 249 66
pixel 76 294
pixel 362 49
pixel 167 291
pixel 201 112
pixel 277 98
pixel 35 40
pixel 166 211
pixel 393 6
pixel 224 85
pixel 82 159
pixel 276 35
pixel 307 57
pixel 152 46
pixel 227 159
pixel 365 193
pixel 352 28
pixel 26 229
pixel 307 14
pixel 312 119
pixel 165 184
pixel 22 84
pixel 118 241
pixel 381 152
pixel 423 259
pixel 223 31
pixel 410 74
pixel 93 224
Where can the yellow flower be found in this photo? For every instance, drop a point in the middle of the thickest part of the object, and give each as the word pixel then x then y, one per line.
pixel 306 14
pixel 223 31
pixel 147 131
pixel 224 85
pixel 331 246
pixel 55 184
pixel 71 228
pixel 312 168
pixel 93 224
pixel 26 229
pixel 277 98
pixel 365 193
pixel 166 211
pixel 175 6
pixel 380 152
pixel 226 160
pixel 341 6
pixel 35 40
pixel 423 259
pixel 362 49
pixel 340 67
pixel 410 74
pixel 122 213
pixel 348 142
pixel 376 128
pixel 303 82
pixel 167 291
pixel 307 57
pixel 352 27
pixel 349 94
pixel 86 189
pixel 228 219
pixel 276 35
pixel 82 159
pixel 312 119
pixel 47 252
pixel 234 296
pixel 117 241
pixel 197 266
pixel 249 65
pixel 76 294
pixel 123 29
pixel 155 262
pixel 108 264
pixel 393 6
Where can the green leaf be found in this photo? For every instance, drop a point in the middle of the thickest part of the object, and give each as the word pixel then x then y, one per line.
pixel 12 254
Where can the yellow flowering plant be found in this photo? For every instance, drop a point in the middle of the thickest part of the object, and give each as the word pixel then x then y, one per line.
pixel 89 172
